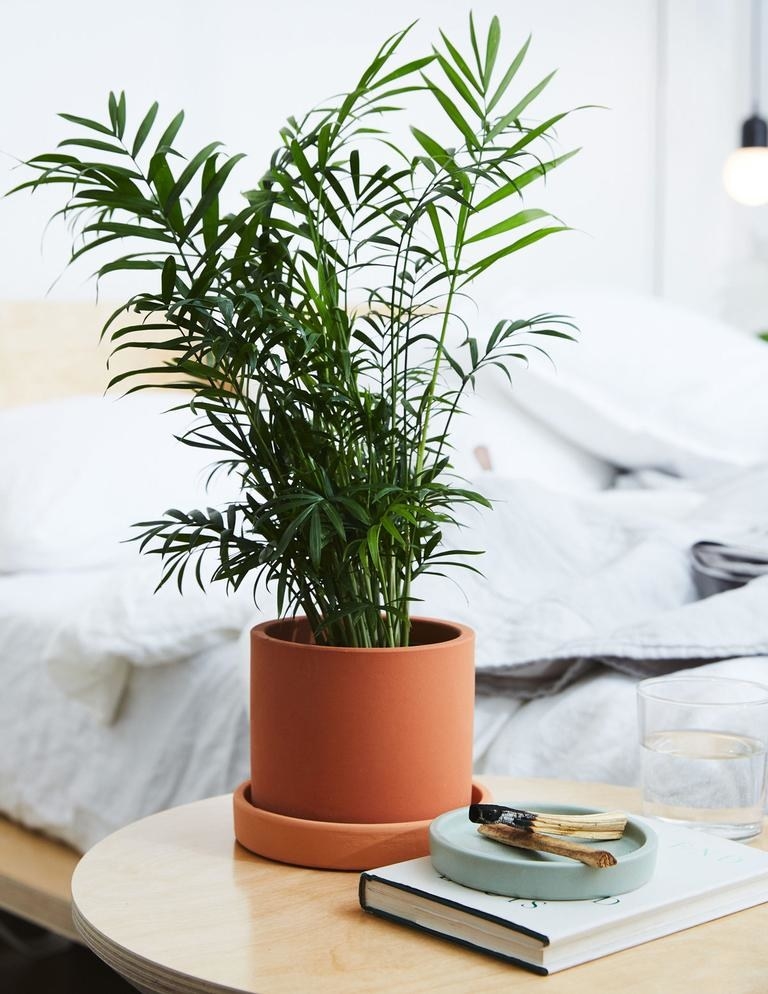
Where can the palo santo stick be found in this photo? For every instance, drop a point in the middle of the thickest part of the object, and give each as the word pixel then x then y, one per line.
pixel 574 833
pixel 612 828
pixel 524 839
pixel 599 825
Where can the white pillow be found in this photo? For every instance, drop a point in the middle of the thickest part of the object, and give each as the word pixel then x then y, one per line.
pixel 519 446
pixel 649 384
pixel 76 473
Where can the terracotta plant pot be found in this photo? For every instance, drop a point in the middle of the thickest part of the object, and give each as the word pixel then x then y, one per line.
pixel 356 737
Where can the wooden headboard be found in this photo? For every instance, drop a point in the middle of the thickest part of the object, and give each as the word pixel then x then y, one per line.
pixel 51 349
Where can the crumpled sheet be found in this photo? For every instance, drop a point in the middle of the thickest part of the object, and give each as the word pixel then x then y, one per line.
pixel 601 578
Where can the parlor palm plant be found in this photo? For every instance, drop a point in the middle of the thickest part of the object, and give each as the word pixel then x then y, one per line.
pixel 316 326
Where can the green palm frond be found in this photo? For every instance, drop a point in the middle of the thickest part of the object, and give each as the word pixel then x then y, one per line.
pixel 315 328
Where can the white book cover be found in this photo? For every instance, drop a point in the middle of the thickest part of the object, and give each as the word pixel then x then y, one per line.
pixel 697 877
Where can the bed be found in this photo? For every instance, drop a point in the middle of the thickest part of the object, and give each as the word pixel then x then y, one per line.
pixel 651 435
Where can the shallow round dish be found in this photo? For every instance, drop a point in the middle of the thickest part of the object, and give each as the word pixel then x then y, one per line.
pixel 460 853
pixel 331 845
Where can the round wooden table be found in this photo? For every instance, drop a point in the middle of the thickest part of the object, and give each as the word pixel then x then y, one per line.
pixel 176 906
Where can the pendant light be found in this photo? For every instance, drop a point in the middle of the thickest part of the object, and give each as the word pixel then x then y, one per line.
pixel 745 174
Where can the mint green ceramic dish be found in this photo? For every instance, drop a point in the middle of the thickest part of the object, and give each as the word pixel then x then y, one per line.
pixel 460 853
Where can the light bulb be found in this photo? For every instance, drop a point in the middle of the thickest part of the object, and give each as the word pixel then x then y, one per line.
pixel 745 175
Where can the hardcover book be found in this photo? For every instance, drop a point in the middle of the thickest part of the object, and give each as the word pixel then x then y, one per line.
pixel 698 877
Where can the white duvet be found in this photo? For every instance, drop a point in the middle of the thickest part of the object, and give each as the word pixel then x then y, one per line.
pixel 116 623
pixel 567 581
pixel 180 734
pixel 118 703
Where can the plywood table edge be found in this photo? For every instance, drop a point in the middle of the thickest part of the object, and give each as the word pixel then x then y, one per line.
pixel 138 970
pixel 26 890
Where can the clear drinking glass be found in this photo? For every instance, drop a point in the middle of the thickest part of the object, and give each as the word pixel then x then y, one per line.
pixel 703 743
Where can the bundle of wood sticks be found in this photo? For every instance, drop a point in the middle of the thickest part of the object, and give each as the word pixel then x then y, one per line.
pixel 551 832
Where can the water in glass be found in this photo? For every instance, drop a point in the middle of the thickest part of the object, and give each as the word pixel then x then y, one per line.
pixel 705 779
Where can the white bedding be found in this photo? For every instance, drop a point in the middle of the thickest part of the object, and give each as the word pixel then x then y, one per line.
pixel 585 732
pixel 117 623
pixel 180 731
pixel 181 734
pixel 567 581
pixel 115 704
pixel 603 577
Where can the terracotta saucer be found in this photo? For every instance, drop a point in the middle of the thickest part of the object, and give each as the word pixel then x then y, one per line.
pixel 331 845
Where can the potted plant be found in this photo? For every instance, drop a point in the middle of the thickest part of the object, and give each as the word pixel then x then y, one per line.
pixel 314 333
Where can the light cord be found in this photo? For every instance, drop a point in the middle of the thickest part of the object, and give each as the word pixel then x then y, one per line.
pixel 757 39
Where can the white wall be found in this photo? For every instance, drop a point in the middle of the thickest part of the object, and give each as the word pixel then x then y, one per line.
pixel 742 281
pixel 703 56
pixel 240 67
pixel 644 195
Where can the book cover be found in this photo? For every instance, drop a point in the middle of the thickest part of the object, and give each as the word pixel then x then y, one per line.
pixel 698 877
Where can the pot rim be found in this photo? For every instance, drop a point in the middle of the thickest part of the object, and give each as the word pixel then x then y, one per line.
pixel 462 635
